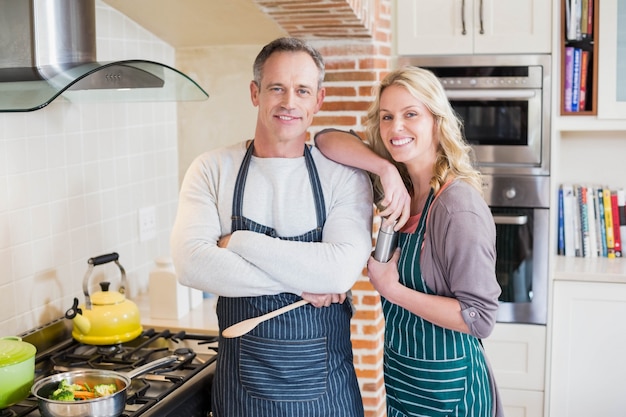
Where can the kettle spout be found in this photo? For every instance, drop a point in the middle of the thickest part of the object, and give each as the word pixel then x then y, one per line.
pixel 81 322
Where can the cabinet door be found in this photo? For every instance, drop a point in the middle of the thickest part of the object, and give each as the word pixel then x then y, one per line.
pixel 517 354
pixel 427 27
pixel 588 359
pixel 455 27
pixel 612 60
pixel 512 26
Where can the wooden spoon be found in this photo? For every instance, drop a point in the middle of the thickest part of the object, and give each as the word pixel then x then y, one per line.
pixel 243 327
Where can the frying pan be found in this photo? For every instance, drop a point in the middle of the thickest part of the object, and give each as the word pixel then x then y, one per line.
pixel 108 406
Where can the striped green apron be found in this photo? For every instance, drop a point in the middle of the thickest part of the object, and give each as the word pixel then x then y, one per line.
pixel 429 370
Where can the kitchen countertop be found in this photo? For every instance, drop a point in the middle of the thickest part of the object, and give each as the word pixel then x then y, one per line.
pixel 568 268
pixel 201 319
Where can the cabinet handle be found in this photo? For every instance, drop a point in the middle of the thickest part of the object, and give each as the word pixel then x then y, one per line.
pixel 494 94
pixel 464 32
pixel 482 26
pixel 515 220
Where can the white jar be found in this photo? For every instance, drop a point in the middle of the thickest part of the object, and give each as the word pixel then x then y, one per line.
pixel 168 298
pixel 196 297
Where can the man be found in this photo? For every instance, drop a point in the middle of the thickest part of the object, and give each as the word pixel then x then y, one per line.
pixel 265 223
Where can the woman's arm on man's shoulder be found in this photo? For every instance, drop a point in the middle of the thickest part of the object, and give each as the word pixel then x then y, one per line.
pixel 347 148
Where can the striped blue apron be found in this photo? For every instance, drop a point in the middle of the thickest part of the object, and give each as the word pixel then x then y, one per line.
pixel 298 364
pixel 429 370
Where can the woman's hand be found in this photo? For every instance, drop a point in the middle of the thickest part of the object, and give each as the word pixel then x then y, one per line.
pixel 397 201
pixel 323 300
pixel 384 275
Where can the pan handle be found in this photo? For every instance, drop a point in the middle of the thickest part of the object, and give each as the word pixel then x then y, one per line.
pixel 159 363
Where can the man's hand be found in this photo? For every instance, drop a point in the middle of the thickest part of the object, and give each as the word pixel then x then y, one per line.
pixel 323 300
pixel 223 242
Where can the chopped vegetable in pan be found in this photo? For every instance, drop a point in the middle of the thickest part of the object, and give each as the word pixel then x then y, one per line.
pixel 73 392
pixel 102 390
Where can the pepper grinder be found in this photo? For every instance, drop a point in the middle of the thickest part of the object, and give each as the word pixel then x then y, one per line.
pixel 386 242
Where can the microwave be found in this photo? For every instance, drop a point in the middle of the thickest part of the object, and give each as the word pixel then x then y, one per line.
pixel 504 104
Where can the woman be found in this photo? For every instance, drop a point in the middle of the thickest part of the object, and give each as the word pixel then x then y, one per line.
pixel 439 290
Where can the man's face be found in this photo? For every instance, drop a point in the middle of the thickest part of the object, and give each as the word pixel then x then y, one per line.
pixel 288 96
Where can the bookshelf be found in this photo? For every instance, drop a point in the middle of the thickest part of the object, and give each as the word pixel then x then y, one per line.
pixel 587 43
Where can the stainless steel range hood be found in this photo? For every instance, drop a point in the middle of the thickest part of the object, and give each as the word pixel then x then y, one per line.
pixel 48 49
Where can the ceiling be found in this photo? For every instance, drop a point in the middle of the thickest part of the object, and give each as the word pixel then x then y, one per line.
pixel 196 23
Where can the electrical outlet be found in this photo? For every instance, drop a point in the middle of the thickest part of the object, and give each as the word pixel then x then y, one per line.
pixel 147 223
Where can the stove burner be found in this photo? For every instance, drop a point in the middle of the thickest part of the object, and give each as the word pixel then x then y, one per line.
pixel 159 392
pixel 20 409
pixel 185 354
pixel 110 350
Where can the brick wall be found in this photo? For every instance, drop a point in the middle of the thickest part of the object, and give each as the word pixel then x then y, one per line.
pixel 354 36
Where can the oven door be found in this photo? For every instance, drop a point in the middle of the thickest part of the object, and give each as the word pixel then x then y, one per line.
pixel 522 264
pixel 504 126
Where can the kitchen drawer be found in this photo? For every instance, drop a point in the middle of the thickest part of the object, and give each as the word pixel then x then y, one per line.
pixel 517 353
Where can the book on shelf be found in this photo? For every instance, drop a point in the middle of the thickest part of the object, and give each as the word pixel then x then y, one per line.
pixel 617 238
pixel 568 217
pixel 608 222
pixel 573 13
pixel 601 222
pixel 578 244
pixel 569 77
pixel 584 16
pixel 621 210
pixel 561 225
pixel 576 79
pixel 589 31
pixel 581 194
pixel 584 73
pixel 592 221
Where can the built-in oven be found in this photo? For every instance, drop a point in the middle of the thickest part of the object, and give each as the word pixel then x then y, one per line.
pixel 520 209
pixel 504 103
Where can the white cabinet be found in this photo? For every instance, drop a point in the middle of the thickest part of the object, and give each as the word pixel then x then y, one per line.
pixel 522 403
pixel 517 354
pixel 588 362
pixel 612 60
pixel 450 27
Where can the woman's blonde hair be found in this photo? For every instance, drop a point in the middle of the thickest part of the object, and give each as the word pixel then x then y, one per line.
pixel 454 154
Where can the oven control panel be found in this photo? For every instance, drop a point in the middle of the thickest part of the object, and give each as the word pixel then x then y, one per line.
pixel 517 191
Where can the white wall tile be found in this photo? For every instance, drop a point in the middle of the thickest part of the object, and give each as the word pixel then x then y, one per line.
pixel 72 178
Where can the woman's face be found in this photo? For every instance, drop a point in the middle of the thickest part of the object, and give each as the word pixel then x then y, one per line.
pixel 406 127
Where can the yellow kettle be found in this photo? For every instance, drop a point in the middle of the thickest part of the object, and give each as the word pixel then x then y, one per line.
pixel 106 317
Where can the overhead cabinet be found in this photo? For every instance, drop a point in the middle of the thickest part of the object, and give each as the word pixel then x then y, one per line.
pixel 455 27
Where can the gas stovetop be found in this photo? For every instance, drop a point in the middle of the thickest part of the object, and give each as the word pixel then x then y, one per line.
pixel 182 388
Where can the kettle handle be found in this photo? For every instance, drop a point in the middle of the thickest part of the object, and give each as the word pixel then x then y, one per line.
pixel 101 260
